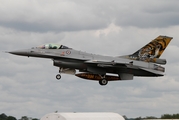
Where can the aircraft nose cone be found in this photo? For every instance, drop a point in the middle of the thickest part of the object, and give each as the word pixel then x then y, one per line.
pixel 19 52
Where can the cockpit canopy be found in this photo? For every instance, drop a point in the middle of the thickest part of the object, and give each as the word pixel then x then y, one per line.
pixel 53 46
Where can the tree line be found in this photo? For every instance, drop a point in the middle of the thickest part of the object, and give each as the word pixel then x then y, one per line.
pixel 164 116
pixel 5 117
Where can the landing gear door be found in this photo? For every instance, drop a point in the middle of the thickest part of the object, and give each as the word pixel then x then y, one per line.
pixel 126 76
pixel 68 71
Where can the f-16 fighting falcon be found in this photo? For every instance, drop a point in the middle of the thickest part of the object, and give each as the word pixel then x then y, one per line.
pixel 145 62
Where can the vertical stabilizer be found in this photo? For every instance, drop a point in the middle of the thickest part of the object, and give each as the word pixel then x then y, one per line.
pixel 152 51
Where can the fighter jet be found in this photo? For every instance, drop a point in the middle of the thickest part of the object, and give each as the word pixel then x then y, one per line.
pixel 144 62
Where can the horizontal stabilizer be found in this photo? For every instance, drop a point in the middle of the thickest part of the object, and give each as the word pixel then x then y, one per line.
pixel 156 72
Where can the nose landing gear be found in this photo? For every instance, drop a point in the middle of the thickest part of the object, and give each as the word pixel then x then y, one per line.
pixel 58 76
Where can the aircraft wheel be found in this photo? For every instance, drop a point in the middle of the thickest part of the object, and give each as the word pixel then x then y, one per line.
pixel 58 76
pixel 103 82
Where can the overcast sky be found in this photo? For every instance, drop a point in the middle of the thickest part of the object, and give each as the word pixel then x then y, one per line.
pixel 28 86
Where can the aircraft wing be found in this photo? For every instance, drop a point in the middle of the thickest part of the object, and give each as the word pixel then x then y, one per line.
pixel 150 69
pixel 107 64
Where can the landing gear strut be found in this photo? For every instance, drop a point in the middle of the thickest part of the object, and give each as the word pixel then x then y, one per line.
pixel 58 76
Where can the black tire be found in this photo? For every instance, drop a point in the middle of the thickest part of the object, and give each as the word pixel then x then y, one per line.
pixel 58 76
pixel 103 82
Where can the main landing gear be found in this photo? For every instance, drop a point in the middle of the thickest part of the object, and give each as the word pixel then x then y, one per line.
pixel 103 81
